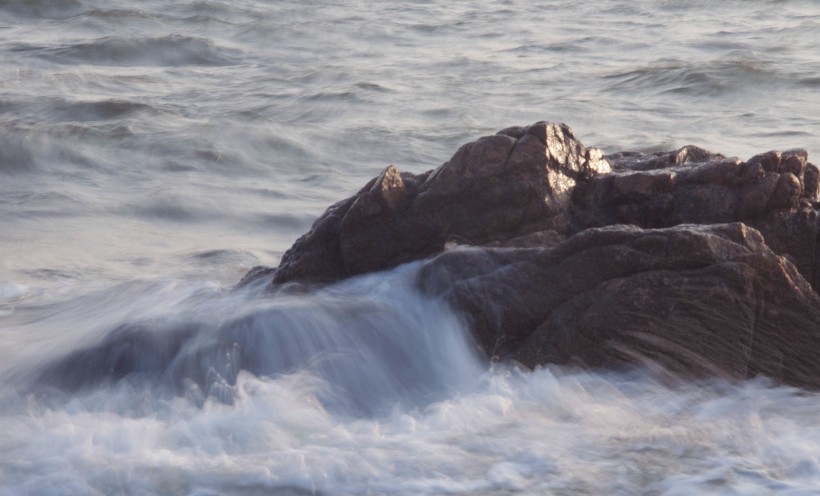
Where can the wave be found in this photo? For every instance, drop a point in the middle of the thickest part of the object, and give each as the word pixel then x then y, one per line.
pixel 15 153
pixel 168 207
pixel 810 81
pixel 172 50
pixel 118 14
pixel 222 255
pixel 374 343
pixel 99 110
pixel 703 78
pixel 53 9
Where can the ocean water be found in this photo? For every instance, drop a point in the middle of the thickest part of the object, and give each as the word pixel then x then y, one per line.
pixel 152 152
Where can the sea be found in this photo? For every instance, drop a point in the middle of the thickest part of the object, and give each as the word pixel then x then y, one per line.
pixel 152 152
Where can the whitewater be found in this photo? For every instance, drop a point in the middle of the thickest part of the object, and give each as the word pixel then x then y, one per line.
pixel 152 152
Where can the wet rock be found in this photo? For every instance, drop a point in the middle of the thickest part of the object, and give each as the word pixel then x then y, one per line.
pixel 540 178
pixel 698 300
pixel 638 161
pixel 316 256
pixel 767 192
pixel 493 189
pixel 556 253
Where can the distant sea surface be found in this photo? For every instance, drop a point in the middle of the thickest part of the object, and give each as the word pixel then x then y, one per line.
pixel 152 152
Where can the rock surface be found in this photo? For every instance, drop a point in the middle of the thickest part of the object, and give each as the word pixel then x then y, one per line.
pixel 699 262
pixel 694 299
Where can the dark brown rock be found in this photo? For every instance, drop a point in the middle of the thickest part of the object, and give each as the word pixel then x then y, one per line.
pixel 540 178
pixel 722 190
pixel 317 252
pixel 641 162
pixel 496 188
pixel 765 191
pixel 694 299
pixel 795 235
pixel 811 183
pixel 556 253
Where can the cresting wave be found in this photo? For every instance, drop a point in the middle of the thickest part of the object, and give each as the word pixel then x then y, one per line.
pixel 374 341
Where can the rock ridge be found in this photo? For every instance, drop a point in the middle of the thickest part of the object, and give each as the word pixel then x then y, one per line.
pixel 541 179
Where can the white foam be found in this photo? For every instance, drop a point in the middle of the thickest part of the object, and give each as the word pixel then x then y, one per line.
pixel 10 291
pixel 448 426
pixel 549 431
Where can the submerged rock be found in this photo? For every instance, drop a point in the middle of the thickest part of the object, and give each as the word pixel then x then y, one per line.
pixel 702 263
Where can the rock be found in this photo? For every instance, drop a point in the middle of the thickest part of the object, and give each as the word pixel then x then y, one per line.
pixel 316 256
pixel 638 161
pixel 723 190
pixel 795 235
pixel 699 300
pixel 767 192
pixel 556 253
pixel 493 189
pixel 539 239
pixel 540 178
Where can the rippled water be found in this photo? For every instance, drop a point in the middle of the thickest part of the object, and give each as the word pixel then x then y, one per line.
pixel 151 152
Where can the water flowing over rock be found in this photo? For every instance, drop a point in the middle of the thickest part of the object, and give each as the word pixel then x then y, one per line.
pixel 556 253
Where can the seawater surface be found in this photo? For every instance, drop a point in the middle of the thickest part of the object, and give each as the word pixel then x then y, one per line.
pixel 152 152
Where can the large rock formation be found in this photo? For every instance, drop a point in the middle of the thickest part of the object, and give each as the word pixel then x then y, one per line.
pixel 557 253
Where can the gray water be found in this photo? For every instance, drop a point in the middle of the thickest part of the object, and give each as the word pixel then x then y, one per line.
pixel 152 152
